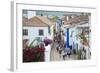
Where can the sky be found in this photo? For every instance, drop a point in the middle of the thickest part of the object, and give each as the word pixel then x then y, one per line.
pixel 52 13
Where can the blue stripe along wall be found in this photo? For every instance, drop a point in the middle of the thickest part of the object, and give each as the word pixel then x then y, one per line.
pixel 67 41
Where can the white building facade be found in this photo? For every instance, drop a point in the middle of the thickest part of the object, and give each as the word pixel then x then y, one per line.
pixel 34 32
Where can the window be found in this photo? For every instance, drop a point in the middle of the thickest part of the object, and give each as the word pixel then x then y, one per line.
pixel 41 32
pixel 25 31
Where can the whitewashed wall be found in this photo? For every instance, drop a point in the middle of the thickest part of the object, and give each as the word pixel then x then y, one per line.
pixel 34 32
pixel 75 31
pixel 71 39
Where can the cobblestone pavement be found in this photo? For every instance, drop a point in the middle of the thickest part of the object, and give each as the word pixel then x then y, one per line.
pixel 55 56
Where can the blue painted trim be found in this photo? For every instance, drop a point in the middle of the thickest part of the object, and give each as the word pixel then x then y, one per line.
pixel 67 41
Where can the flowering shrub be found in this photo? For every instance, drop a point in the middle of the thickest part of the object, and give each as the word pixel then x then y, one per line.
pixel 33 54
pixel 47 41
pixel 40 49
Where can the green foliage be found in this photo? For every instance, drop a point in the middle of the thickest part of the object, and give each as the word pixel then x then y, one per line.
pixel 55 18
pixel 54 30
pixel 83 37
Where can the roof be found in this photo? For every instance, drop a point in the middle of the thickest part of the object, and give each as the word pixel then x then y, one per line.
pixel 41 21
pixel 37 21
pixel 77 19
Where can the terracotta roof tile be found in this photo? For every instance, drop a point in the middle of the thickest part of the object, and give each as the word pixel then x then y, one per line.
pixel 77 19
pixel 37 21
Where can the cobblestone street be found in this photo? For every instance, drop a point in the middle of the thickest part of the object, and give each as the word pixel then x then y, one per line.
pixel 55 56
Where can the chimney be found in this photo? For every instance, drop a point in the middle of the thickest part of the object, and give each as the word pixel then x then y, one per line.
pixel 66 18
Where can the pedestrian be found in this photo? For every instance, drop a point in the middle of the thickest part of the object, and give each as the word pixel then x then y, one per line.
pixel 68 53
pixel 64 54
pixel 60 51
